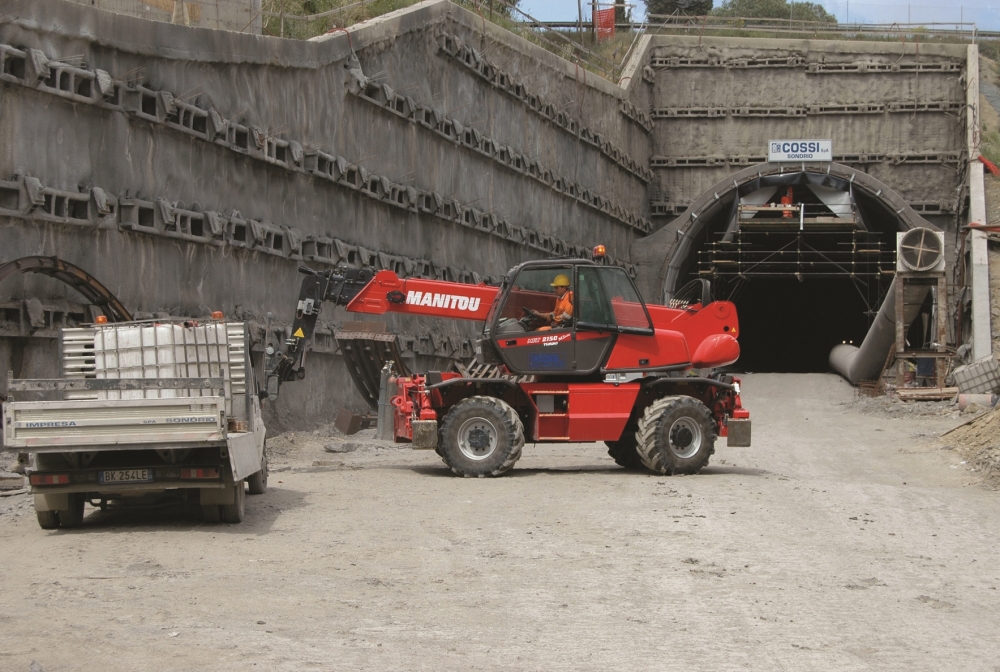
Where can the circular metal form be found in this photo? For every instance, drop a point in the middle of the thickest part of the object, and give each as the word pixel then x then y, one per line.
pixel 685 438
pixel 75 277
pixel 477 438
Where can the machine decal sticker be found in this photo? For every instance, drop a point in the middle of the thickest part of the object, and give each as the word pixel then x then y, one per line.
pixel 548 340
pixel 450 301
pixel 547 361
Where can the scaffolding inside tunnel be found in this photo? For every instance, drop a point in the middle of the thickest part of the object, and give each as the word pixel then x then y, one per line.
pixel 783 239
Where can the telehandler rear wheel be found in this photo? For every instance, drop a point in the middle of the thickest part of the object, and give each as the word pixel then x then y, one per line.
pixel 624 451
pixel 676 436
pixel 481 436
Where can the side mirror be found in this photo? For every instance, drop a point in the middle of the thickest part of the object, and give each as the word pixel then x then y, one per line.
pixel 696 291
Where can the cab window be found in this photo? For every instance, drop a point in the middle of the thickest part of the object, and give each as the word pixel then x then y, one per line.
pixel 533 298
pixel 607 297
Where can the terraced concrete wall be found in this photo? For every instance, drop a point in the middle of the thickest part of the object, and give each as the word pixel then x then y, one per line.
pixel 193 170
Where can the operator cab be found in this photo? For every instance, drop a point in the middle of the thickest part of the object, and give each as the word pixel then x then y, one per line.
pixel 563 317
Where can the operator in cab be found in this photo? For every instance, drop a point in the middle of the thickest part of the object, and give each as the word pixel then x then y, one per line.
pixel 562 313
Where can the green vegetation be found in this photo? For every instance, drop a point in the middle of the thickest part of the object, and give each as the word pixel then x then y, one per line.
pixel 686 7
pixel 774 9
pixel 990 145
pixel 355 11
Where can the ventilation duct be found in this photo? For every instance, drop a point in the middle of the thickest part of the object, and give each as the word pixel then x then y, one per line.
pixel 919 251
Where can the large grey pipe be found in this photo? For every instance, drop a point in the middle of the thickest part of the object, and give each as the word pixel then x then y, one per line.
pixel 865 363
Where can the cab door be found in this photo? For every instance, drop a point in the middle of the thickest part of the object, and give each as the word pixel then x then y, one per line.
pixel 607 305
pixel 525 345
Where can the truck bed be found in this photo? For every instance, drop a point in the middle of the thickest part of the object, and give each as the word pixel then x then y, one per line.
pixel 83 424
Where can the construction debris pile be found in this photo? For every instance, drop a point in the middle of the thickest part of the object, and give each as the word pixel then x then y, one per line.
pixel 980 439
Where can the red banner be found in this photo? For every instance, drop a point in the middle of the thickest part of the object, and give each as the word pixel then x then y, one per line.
pixel 605 20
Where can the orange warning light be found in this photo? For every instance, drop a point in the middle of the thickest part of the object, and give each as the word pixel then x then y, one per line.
pixel 600 252
pixel 101 319
pixel 217 315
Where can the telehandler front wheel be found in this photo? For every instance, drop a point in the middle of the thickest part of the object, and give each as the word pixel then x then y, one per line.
pixel 481 436
pixel 676 436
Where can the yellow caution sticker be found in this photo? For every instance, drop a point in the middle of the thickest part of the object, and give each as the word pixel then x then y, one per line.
pixel 298 333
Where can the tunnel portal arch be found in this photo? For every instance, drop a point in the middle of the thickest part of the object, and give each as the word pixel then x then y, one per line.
pixel 885 203
pixel 805 273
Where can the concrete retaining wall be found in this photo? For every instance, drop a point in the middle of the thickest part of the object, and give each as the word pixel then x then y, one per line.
pixel 193 170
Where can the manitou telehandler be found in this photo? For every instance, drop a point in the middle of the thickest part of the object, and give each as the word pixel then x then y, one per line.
pixel 612 369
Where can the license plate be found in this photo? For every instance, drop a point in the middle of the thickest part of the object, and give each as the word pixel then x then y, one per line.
pixel 112 476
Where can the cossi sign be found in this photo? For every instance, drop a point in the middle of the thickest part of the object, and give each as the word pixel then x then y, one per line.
pixel 799 150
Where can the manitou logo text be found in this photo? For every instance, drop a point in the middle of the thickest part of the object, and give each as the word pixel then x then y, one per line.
pixel 450 301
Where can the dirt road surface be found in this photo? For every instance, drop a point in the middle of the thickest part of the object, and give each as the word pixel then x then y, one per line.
pixel 842 540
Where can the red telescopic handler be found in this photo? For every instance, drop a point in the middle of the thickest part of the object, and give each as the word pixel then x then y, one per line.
pixel 584 359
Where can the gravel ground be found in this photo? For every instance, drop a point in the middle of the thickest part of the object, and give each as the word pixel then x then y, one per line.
pixel 844 539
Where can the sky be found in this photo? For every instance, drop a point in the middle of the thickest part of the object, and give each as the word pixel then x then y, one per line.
pixel 984 13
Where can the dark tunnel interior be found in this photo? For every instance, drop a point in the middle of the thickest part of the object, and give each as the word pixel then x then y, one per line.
pixel 787 326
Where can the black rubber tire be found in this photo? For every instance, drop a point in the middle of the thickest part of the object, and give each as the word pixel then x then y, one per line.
pixel 211 513
pixel 257 483
pixel 233 513
pixel 48 520
pixel 624 451
pixel 506 442
pixel 676 415
pixel 73 516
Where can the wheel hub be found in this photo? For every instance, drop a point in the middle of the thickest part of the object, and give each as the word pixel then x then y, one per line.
pixel 685 437
pixel 682 437
pixel 477 438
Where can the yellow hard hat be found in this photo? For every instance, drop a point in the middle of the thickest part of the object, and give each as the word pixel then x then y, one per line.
pixel 561 280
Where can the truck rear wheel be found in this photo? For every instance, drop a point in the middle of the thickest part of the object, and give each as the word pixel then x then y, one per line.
pixel 481 436
pixel 258 482
pixel 676 436
pixel 233 513
pixel 625 451
pixel 48 520
pixel 73 516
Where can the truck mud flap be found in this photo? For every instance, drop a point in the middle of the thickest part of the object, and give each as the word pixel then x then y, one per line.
pixel 365 353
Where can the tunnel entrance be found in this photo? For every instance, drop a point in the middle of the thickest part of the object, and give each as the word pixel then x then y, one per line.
pixel 807 258
pixel 788 326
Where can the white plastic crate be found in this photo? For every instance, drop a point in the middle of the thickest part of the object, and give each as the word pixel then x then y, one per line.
pixel 980 377
pixel 164 350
